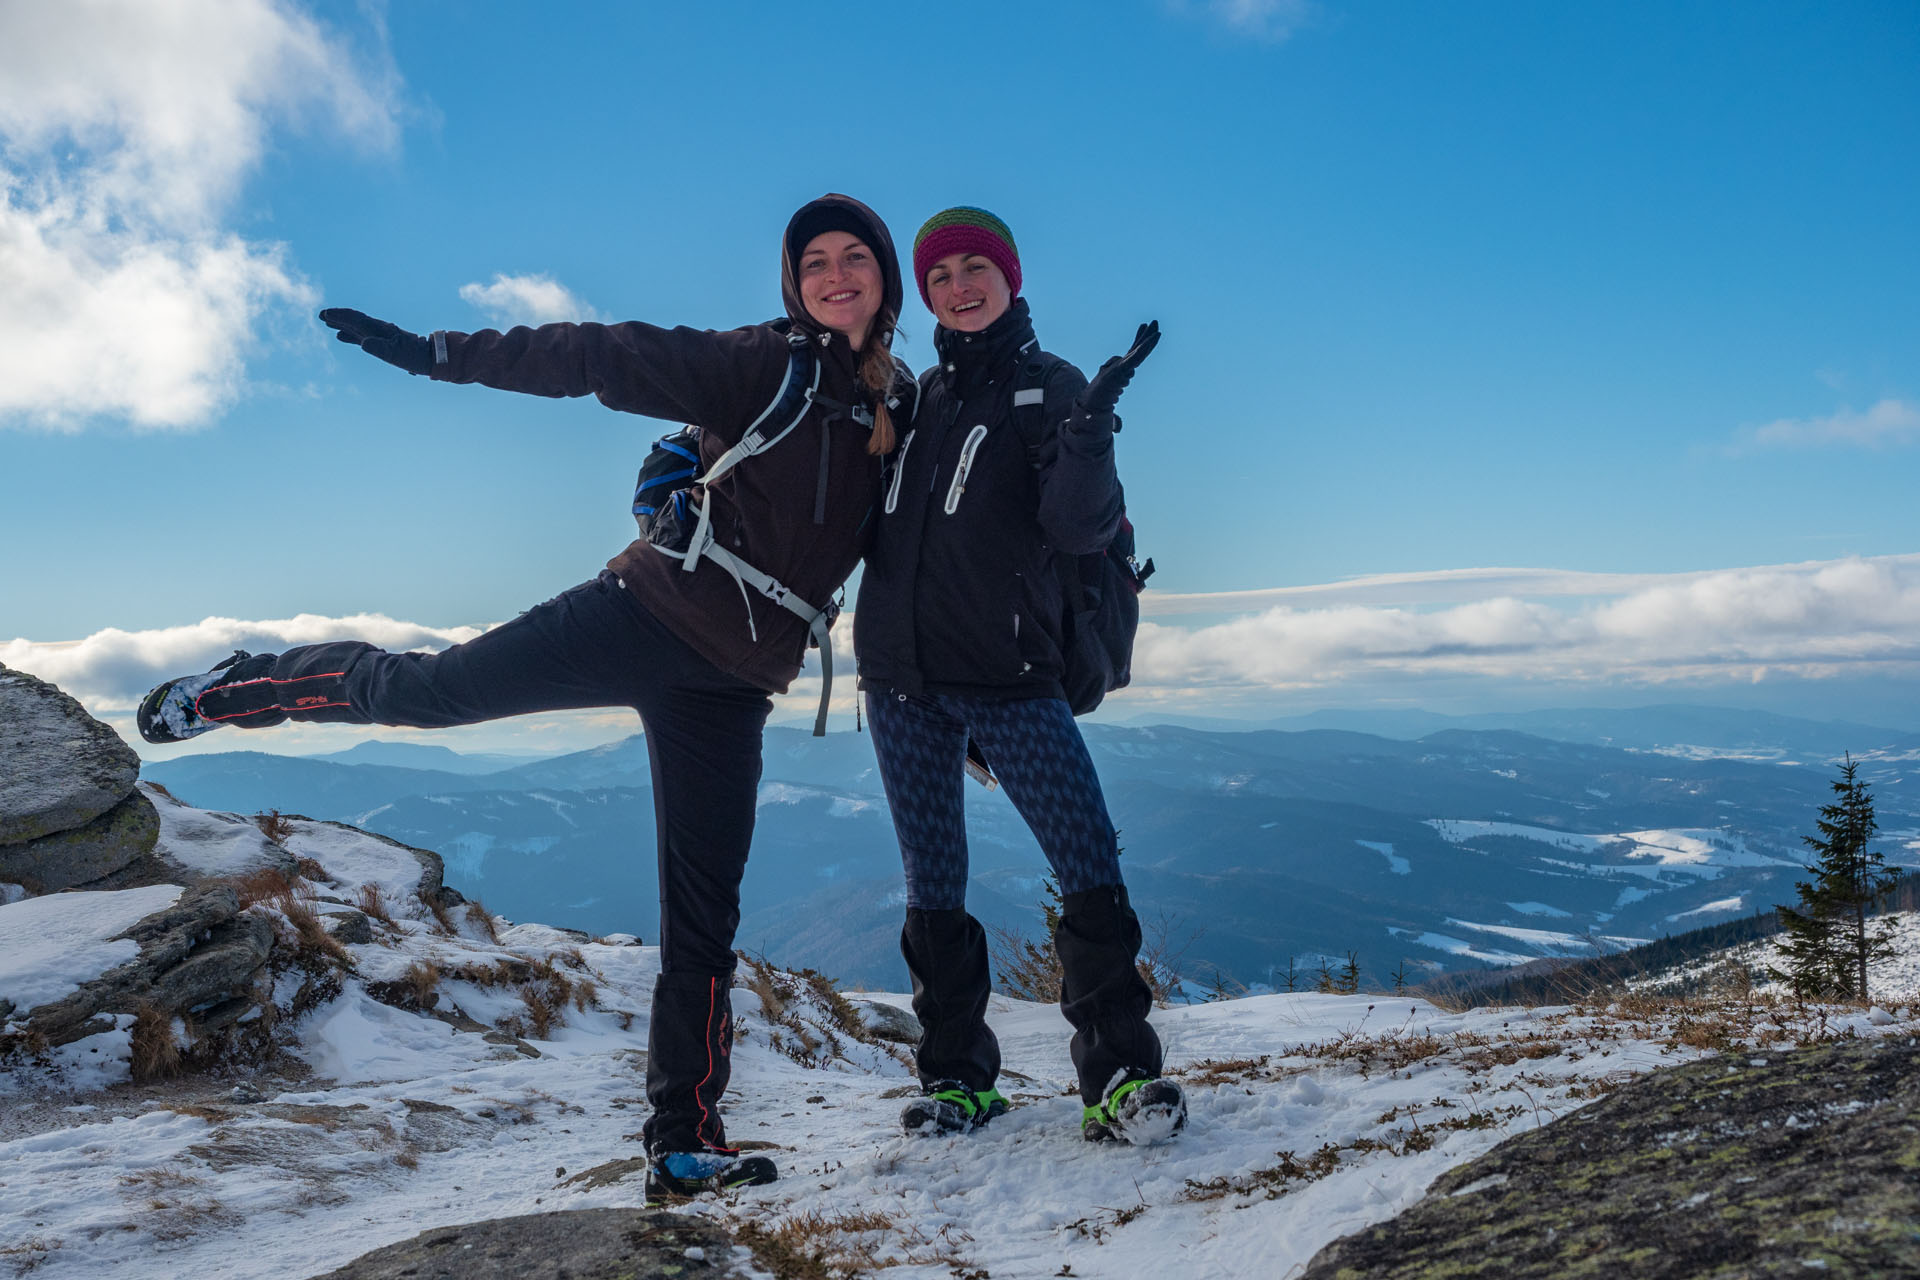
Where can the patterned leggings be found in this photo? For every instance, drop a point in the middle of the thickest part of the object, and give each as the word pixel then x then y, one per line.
pixel 1033 747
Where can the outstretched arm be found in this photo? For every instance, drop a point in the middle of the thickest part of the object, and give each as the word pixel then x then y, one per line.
pixel 684 375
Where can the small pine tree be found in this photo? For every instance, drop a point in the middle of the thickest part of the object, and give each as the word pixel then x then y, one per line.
pixel 1829 939
pixel 1348 980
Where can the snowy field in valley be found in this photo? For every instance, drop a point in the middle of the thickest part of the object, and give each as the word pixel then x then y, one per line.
pixel 1312 1115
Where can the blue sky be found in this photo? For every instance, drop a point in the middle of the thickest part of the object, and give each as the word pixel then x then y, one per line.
pixel 1624 296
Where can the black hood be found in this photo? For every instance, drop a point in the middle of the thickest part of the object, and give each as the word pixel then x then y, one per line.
pixel 833 212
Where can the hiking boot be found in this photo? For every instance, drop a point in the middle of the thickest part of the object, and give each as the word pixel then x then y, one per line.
pixel 171 711
pixel 1138 1108
pixel 951 1107
pixel 681 1175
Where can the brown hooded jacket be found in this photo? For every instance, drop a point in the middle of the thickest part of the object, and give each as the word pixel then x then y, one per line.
pixel 764 509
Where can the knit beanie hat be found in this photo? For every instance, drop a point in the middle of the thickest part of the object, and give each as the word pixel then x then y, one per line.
pixel 964 229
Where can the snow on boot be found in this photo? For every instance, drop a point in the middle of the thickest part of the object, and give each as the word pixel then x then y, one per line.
pixel 171 711
pixel 1139 1109
pixel 951 1107
pixel 681 1175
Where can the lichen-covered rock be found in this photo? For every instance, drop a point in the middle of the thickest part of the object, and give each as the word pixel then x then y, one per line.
pixel 1755 1164
pixel 582 1244
pixel 87 854
pixel 59 767
pixel 195 955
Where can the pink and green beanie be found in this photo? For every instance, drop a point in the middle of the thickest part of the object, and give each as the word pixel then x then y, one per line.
pixel 964 229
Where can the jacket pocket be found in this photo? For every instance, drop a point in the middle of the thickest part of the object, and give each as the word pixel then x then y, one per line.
pixel 899 470
pixel 963 466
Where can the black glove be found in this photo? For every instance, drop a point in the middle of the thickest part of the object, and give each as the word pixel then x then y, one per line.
pixel 1113 376
pixel 388 342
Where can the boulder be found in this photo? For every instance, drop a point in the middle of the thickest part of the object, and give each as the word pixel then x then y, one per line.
pixel 1768 1163
pixel 886 1021
pixel 59 767
pixel 85 855
pixel 580 1244
pixel 197 955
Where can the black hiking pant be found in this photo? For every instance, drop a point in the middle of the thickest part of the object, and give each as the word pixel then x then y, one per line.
pixel 592 646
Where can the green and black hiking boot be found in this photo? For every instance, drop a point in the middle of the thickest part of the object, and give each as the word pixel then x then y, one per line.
pixel 681 1175
pixel 951 1107
pixel 1138 1108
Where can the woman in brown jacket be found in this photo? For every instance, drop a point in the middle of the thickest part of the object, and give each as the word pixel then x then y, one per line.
pixel 694 643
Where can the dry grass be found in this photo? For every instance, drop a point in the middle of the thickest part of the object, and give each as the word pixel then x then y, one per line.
pixel 373 904
pixel 483 921
pixel 312 870
pixel 263 885
pixel 442 917
pixel 273 825
pixel 155 1056
pixel 814 1246
pixel 312 942
pixel 28 1254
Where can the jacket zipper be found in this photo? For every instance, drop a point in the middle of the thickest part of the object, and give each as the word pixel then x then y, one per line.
pixel 967 450
pixel 899 470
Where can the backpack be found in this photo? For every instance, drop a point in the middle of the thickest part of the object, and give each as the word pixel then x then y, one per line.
pixel 671 510
pixel 1101 589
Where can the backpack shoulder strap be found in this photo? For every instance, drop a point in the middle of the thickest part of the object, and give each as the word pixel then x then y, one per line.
pixel 798 387
pixel 1030 416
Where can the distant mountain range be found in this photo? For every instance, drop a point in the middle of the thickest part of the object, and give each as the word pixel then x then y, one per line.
pixel 1458 848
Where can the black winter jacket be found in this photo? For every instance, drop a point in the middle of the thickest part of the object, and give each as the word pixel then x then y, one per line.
pixel 959 594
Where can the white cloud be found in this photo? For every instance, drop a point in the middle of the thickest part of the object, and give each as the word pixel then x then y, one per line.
pixel 1888 424
pixel 1270 20
pixel 1825 620
pixel 1816 620
pixel 110 670
pixel 127 130
pixel 534 300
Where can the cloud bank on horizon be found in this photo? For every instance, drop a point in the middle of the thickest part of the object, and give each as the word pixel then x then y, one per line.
pixel 130 130
pixel 1822 620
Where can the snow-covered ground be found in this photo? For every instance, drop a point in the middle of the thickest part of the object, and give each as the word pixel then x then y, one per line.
pixel 1312 1116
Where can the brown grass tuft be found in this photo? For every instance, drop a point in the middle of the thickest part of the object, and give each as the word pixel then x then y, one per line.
pixel 263 885
pixel 373 904
pixel 483 920
pixel 273 826
pixel 313 942
pixel 442 918
pixel 155 1055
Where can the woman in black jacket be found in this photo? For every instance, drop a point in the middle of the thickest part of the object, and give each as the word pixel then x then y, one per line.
pixel 677 637
pixel 958 637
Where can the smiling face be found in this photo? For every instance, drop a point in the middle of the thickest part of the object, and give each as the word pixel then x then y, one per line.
pixel 967 292
pixel 841 284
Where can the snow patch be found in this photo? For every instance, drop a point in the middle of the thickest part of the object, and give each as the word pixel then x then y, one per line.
pixel 50 945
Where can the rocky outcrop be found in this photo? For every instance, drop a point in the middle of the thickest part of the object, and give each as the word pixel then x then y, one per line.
pixel 197 961
pixel 69 814
pixel 87 855
pixel 59 767
pixel 584 1244
pixel 1748 1165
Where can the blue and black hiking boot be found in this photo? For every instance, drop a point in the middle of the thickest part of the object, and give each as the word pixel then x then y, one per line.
pixel 681 1175
pixel 171 711
pixel 951 1107
pixel 1138 1108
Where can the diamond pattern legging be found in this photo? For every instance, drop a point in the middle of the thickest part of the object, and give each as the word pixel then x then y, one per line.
pixel 1033 747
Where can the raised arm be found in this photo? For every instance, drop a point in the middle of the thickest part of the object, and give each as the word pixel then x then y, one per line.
pixel 1080 497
